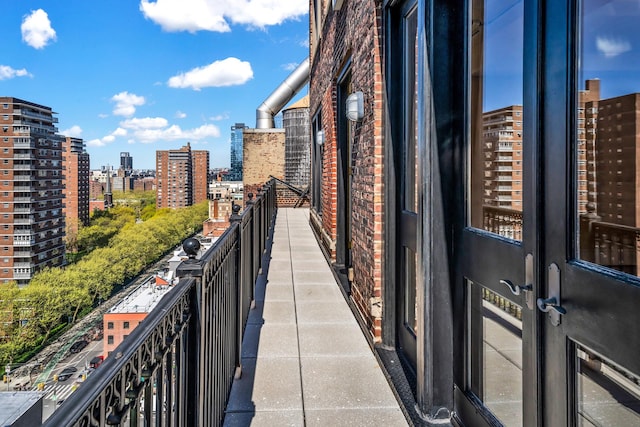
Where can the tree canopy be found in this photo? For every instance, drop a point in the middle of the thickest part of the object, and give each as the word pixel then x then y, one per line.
pixel 118 248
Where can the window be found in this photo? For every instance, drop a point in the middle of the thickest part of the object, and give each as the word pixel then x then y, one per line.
pixel 125 325
pixel 109 339
pixel 109 325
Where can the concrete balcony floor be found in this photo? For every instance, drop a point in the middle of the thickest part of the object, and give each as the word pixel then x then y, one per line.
pixel 305 360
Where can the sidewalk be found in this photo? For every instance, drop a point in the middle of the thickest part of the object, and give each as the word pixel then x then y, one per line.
pixel 305 360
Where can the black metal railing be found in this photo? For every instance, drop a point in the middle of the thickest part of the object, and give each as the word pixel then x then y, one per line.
pixel 177 366
pixel 503 221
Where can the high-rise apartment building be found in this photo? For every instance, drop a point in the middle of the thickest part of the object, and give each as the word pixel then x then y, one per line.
pixel 502 139
pixel 617 160
pixel 586 137
pixel 235 172
pixel 31 190
pixel 181 177
pixel 76 180
pixel 126 161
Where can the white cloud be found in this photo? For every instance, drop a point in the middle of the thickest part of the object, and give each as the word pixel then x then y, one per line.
pixel 145 123
pixel 215 15
pixel 103 115
pixel 290 66
pixel 74 131
pixel 96 143
pixel 610 47
pixel 180 115
pixel 174 132
pixel 227 72
pixel 147 130
pixel 36 29
pixel 119 132
pixel 126 103
pixel 6 72
pixel 107 139
pixel 219 117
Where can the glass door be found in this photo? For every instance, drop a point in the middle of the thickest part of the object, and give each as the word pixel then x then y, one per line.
pixel 591 299
pixel 498 244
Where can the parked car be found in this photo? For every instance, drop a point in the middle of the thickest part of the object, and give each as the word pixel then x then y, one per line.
pixel 66 373
pixel 96 361
pixel 78 345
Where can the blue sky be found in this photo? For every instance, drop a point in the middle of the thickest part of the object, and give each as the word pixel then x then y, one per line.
pixel 141 75
pixel 609 49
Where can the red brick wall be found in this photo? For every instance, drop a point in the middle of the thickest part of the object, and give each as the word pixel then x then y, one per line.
pixel 354 34
pixel 263 154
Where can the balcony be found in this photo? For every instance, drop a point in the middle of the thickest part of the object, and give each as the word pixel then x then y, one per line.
pixel 303 355
pixel 23 167
pixel 22 275
pixel 23 243
pixel 35 115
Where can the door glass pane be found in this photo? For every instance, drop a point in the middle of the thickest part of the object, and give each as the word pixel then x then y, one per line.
pixel 607 133
pixel 607 394
pixel 410 307
pixel 495 353
pixel 411 112
pixel 496 116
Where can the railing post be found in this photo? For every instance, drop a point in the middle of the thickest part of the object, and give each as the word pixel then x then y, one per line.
pixel 252 239
pixel 236 218
pixel 588 251
pixel 194 350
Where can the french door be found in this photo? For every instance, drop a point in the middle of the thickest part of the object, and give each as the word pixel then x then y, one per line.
pixel 551 245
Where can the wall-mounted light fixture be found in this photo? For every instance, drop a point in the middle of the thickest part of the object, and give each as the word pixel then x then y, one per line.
pixel 355 106
pixel 320 137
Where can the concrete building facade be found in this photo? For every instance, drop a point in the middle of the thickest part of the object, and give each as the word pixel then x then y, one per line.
pixel 33 224
pixel 181 177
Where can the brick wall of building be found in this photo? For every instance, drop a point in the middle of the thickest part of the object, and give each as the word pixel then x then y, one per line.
pixel 263 154
pixel 353 36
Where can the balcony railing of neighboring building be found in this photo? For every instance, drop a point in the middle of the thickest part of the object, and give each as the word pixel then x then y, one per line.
pixel 503 221
pixel 177 366
pixel 610 245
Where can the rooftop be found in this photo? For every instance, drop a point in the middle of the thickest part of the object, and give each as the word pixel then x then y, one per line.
pixel 15 404
pixel 143 299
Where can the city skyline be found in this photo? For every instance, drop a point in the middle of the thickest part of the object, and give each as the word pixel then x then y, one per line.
pixel 144 76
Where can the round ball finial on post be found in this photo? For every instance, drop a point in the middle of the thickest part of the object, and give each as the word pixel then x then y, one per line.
pixel 191 247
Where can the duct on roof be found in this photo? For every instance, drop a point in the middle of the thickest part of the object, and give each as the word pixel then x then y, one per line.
pixel 281 95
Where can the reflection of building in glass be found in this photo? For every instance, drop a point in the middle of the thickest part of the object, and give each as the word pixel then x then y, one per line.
pixel 617 156
pixel 502 138
pixel 502 171
pixel 235 173
pixel 586 137
pixel 609 228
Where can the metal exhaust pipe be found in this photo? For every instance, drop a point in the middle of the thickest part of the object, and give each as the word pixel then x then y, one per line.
pixel 283 94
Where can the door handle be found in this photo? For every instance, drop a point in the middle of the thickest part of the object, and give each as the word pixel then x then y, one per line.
pixel 546 305
pixel 527 289
pixel 515 289
pixel 551 305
